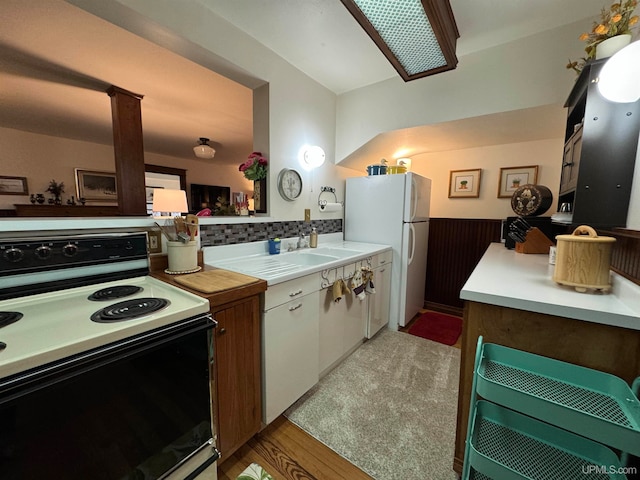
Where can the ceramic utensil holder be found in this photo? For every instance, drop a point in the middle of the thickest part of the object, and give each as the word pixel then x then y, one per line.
pixel 182 257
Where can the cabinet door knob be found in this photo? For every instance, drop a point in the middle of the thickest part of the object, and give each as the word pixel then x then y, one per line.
pixel 222 331
pixel 293 294
pixel 295 307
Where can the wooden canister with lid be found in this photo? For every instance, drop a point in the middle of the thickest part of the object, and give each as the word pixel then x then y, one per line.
pixel 583 260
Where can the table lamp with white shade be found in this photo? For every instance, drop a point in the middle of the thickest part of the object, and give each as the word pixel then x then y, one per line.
pixel 169 202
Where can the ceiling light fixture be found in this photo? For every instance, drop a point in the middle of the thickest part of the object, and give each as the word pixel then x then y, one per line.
pixel 418 37
pixel 203 150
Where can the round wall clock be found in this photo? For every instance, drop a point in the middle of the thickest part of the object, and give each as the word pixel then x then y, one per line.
pixel 289 184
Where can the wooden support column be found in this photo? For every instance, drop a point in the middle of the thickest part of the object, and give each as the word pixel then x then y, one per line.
pixel 129 150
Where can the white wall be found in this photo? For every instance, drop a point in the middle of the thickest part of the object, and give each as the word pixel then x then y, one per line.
pixel 526 73
pixel 436 166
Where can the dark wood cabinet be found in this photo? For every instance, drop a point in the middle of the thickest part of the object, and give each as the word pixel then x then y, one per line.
pixel 600 152
pixel 238 410
pixel 571 162
pixel 236 384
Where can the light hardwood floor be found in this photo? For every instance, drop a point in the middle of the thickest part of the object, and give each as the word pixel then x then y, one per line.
pixel 289 453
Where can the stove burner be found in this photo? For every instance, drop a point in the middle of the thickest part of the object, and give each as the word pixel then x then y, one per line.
pixel 7 318
pixel 129 309
pixel 112 293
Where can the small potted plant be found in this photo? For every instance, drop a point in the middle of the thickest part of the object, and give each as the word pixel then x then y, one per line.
pixel 515 183
pixel 255 167
pixel 56 189
pixel 463 184
pixel 614 26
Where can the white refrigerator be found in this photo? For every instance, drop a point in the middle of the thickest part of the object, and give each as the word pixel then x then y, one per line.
pixel 394 210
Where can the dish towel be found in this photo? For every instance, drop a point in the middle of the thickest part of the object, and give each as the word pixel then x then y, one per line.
pixel 254 472
pixel 358 285
pixel 367 275
pixel 339 289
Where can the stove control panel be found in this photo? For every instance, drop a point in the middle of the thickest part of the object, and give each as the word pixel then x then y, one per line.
pixel 25 255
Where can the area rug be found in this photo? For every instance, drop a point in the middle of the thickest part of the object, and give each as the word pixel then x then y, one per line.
pixel 390 408
pixel 254 472
pixel 438 327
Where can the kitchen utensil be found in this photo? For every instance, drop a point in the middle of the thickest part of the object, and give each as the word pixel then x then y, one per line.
pixel 192 225
pixel 531 200
pixel 518 230
pixel 168 230
pixel 583 260
pixel 179 223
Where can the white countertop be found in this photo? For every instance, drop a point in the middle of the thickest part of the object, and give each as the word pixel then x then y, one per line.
pixel 524 281
pixel 253 258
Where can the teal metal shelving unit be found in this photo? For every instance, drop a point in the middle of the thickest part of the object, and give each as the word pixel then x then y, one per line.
pixel 545 419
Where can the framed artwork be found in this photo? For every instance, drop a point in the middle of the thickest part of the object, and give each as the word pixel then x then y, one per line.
pixel 464 183
pixel 13 185
pixel 512 177
pixel 95 186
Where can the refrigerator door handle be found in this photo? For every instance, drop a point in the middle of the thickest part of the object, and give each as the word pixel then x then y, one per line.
pixel 412 243
pixel 414 198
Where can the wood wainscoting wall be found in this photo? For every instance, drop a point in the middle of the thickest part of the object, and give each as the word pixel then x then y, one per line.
pixel 455 248
pixel 625 257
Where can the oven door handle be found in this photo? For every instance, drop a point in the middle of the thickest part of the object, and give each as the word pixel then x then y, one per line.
pixel 40 377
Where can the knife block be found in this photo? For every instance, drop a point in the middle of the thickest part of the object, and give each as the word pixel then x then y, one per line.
pixel 535 242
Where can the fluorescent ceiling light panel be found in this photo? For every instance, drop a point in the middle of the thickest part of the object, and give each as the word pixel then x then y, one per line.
pixel 418 37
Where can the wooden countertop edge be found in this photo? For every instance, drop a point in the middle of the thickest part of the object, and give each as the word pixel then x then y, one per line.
pixel 216 298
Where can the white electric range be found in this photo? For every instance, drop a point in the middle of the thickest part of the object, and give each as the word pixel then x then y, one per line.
pixel 81 315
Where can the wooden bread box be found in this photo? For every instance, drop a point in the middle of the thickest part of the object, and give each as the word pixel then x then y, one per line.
pixel 583 260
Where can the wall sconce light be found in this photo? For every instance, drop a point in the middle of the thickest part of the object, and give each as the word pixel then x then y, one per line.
pixel 203 149
pixel 311 156
pixel 619 79
pixel 166 200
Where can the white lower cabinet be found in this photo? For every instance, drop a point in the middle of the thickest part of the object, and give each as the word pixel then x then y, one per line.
pixel 290 345
pixel 342 327
pixel 379 302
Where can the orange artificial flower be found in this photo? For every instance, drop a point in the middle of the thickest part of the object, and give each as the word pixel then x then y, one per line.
pixel 584 37
pixel 616 18
pixel 600 29
pixel 633 20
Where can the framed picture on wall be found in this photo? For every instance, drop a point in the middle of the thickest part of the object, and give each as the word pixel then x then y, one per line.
pixel 464 183
pixel 511 178
pixel 95 186
pixel 13 185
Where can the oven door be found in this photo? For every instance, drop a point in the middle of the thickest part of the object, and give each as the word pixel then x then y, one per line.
pixel 136 409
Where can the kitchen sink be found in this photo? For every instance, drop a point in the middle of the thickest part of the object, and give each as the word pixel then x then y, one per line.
pixel 336 252
pixel 304 258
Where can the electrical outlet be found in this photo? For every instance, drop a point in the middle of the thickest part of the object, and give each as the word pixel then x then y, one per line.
pixel 154 238
pixel 307 215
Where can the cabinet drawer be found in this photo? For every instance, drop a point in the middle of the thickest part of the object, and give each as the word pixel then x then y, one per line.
pixel 382 259
pixel 287 291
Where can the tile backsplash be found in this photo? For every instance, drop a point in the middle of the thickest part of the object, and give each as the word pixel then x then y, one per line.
pixel 229 234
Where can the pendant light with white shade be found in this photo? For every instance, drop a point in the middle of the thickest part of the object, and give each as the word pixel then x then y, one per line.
pixel 203 149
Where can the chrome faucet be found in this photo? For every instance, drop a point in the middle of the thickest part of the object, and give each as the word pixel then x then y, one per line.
pixel 302 241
